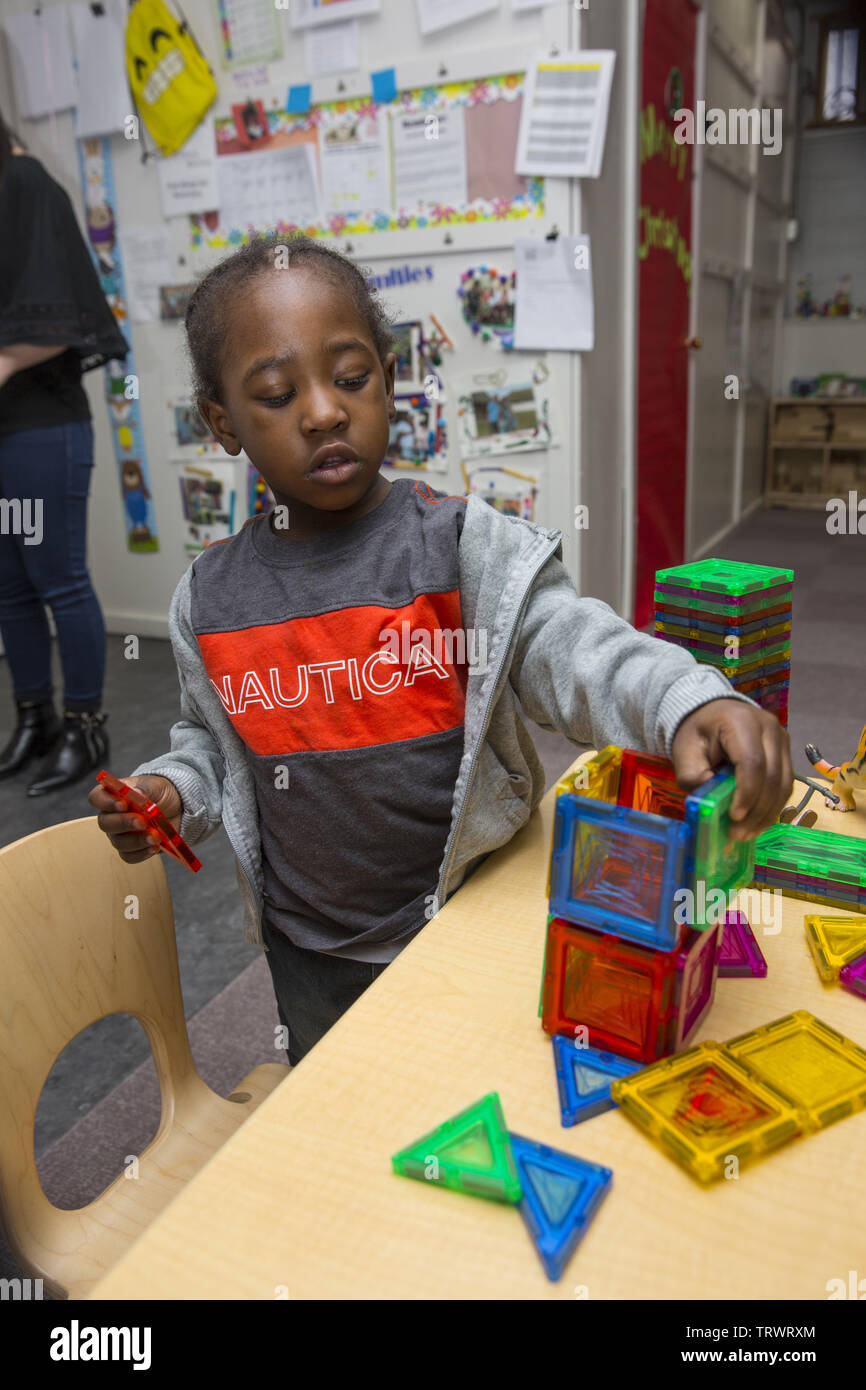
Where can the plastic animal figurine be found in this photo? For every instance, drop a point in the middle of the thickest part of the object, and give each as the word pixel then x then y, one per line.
pixel 845 778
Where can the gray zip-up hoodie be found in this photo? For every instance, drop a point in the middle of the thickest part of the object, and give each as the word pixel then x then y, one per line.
pixel 568 662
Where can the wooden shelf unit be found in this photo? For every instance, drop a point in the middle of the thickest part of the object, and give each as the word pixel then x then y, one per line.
pixel 816 449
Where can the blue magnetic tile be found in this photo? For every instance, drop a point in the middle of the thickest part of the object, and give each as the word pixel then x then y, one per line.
pixel 615 870
pixel 384 85
pixel 300 98
pixel 561 1194
pixel 584 1076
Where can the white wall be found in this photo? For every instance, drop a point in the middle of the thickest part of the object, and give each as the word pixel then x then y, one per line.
pixel 135 590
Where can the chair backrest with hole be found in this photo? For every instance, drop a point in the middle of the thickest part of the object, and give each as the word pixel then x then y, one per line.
pixel 82 935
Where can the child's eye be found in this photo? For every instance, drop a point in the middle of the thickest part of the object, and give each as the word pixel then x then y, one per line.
pixel 354 381
pixel 276 400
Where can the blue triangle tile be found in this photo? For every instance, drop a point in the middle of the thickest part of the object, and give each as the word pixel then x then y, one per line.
pixel 561 1194
pixel 584 1076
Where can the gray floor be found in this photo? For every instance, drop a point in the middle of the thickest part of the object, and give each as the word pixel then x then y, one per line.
pixel 101 1103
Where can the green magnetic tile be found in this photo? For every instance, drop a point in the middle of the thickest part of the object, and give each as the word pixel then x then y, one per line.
pixel 725 576
pixel 470 1153
pixel 820 854
pixel 719 861
pixel 714 603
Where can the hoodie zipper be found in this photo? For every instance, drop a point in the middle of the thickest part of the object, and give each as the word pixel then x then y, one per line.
pixel 486 720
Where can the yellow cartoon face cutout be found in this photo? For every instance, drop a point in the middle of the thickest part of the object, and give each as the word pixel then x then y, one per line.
pixel 168 67
pixel 168 76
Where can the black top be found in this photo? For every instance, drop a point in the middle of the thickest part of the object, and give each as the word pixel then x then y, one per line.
pixel 49 294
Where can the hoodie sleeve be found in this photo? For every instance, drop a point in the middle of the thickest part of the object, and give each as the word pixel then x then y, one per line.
pixel 195 762
pixel 580 669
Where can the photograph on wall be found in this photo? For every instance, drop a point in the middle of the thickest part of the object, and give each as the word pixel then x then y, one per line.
pixel 487 297
pixel 173 300
pixel 407 346
pixel 251 123
pixel 500 413
pixel 506 490
pixel 189 427
pixel 418 438
pixel 208 500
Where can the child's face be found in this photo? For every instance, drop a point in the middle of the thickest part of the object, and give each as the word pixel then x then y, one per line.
pixel 305 395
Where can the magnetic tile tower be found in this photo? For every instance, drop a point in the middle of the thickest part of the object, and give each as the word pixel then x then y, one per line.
pixel 733 616
pixel 640 878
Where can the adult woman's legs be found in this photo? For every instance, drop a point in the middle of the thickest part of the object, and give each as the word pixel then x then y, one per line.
pixel 45 479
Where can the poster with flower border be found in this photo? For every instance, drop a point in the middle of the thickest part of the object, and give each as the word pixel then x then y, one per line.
pixel 495 193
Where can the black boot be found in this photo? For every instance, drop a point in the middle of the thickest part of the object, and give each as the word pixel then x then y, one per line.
pixel 37 730
pixel 82 748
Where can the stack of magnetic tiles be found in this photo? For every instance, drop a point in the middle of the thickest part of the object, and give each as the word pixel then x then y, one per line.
pixel 640 875
pixel 735 617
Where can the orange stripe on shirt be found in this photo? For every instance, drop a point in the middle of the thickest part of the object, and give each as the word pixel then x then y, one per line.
pixel 348 679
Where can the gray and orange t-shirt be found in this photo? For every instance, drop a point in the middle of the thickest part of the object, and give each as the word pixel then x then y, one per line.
pixel 341 663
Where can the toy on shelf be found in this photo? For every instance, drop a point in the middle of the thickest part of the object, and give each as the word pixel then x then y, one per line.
pixel 134 800
pixel 743 1099
pixel 835 942
pixel 584 1076
pixel 805 307
pixel 630 872
pixel 817 865
pixel 740 953
pixel 561 1195
pixel 845 778
pixel 471 1153
pixel 733 616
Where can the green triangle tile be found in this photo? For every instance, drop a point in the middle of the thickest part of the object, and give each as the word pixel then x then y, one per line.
pixel 470 1153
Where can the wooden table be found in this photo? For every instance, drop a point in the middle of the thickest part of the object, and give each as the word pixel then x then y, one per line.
pixel 302 1203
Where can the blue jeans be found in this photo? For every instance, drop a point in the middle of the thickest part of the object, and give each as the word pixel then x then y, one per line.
pixel 312 989
pixel 43 560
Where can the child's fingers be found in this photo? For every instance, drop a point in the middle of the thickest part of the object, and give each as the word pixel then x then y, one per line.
pixel 745 749
pixel 764 776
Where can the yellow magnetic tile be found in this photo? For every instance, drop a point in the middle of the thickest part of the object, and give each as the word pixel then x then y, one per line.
pixel 598 777
pixel 816 1069
pixel 834 941
pixel 702 1108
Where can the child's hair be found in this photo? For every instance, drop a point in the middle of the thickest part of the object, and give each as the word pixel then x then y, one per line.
pixel 208 308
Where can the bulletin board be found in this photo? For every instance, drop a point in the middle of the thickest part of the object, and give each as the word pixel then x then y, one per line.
pixel 381 145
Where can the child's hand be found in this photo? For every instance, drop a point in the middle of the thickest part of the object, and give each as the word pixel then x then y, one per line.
pixel 757 746
pixel 125 829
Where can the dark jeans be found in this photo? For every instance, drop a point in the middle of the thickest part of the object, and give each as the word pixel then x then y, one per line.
pixel 312 989
pixel 52 466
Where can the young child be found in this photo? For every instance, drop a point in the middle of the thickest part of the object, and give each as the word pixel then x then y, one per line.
pixel 353 667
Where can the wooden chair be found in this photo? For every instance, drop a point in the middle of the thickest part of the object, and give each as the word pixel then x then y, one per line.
pixel 72 951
